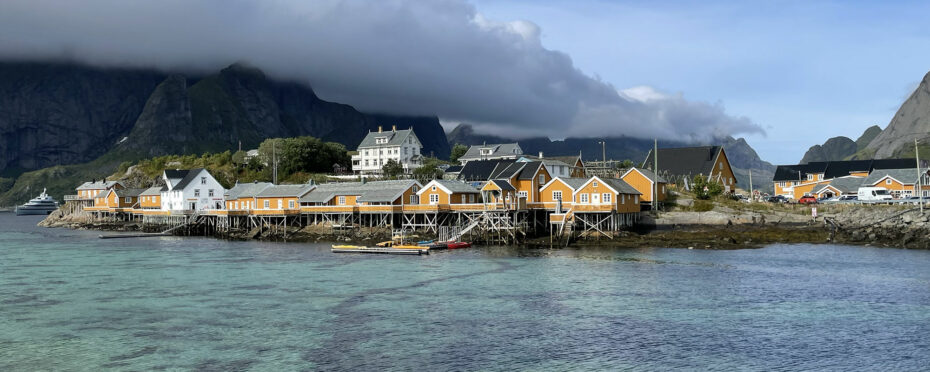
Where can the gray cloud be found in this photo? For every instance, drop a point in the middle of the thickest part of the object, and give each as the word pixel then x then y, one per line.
pixel 420 57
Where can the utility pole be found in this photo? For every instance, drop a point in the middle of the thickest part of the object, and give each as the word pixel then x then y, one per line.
pixel 655 173
pixel 750 185
pixel 603 154
pixel 920 191
pixel 274 163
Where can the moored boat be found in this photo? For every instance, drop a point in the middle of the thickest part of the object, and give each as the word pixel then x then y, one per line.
pixel 458 245
pixel 41 205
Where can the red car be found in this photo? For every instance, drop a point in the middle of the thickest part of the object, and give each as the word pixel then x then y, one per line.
pixel 807 199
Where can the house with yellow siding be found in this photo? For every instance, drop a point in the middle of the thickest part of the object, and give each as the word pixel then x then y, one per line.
pixel 680 165
pixel 526 177
pixel 241 197
pixel 151 198
pixel 559 194
pixel 364 196
pixel 900 183
pixel 88 191
pixel 646 182
pixel 281 199
pixel 795 181
pixel 445 192
pixel 606 195
pixel 498 191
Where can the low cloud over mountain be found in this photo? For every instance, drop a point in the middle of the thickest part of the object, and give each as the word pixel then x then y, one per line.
pixel 410 57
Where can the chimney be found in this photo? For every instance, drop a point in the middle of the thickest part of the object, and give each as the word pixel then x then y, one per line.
pixel 540 155
pixel 379 129
pixel 393 128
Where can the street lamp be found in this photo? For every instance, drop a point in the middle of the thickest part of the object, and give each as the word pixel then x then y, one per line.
pixel 603 152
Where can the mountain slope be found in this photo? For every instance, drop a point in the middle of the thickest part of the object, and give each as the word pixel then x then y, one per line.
pixel 836 148
pixel 867 137
pixel 56 113
pixel 911 121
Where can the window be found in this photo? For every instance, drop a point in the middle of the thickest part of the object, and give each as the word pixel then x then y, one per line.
pixel 471 198
pixel 235 205
pixel 434 198
pixel 210 192
pixel 594 184
pixel 196 192
pixel 342 200
pixel 290 204
pixel 542 179
pixel 366 162
pixel 720 165
pixel 405 150
pixel 434 188
pixel 267 204
pixel 636 199
pixel 584 198
pixel 605 197
pixel 203 180
pixel 523 194
pixel 414 199
pixel 381 140
pixel 128 199
pixel 888 181
pixel 622 199
pixel 557 195
pixel 280 204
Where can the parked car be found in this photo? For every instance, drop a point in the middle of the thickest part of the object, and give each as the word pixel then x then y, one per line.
pixel 807 199
pixel 830 200
pixel 777 199
pixel 849 198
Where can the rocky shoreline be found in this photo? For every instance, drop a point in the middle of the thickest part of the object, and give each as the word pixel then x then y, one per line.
pixel 892 227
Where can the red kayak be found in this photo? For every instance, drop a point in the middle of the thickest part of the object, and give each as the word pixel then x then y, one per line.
pixel 458 245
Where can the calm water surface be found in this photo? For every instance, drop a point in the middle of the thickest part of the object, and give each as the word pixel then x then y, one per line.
pixel 70 301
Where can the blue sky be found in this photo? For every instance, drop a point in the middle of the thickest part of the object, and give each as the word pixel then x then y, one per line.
pixel 804 71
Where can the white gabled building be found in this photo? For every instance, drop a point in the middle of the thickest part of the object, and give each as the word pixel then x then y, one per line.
pixel 191 190
pixel 492 152
pixel 378 147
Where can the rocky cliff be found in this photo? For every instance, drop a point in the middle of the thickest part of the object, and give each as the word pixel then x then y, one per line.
pixel 836 148
pixel 55 113
pixel 59 114
pixel 911 121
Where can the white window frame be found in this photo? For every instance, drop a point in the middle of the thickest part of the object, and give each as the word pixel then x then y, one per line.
pixel 196 193
pixel 523 194
pixel 341 200
pixel 210 193
pixel 267 204
pixel 888 181
pixel 605 198
pixel 434 199
pixel 542 179
pixel 128 199
pixel 594 184
pixel 414 199
pixel 290 204
pixel 584 198
pixel 557 195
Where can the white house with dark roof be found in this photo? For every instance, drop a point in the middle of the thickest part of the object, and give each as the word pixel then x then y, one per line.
pixel 377 148
pixel 191 190
pixel 491 152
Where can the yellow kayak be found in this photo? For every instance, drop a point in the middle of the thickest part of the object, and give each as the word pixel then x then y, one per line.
pixel 346 246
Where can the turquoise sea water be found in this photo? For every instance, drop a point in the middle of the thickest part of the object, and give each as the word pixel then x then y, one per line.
pixel 70 301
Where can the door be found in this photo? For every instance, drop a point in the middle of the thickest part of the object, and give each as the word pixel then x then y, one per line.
pixel 193 206
pixel 595 198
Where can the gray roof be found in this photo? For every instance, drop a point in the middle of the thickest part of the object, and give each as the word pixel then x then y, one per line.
pixel 153 191
pixel 907 176
pixel 570 160
pixel 843 184
pixel 574 182
pixel 246 190
pixel 368 192
pixel 132 193
pixel 457 187
pixel 621 186
pixel 504 185
pixel 98 185
pixel 685 161
pixel 285 191
pixel 395 138
pixel 650 174
pixel 188 176
pixel 498 150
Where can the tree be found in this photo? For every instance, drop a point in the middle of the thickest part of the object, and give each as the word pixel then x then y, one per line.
pixel 457 151
pixel 239 157
pixel 392 169
pixel 704 189
pixel 428 171
pixel 626 164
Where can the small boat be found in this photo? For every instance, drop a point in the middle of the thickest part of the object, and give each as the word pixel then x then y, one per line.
pixel 42 204
pixel 458 245
pixel 345 248
pixel 397 245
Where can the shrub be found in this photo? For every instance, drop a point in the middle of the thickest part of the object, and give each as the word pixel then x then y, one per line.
pixel 703 206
